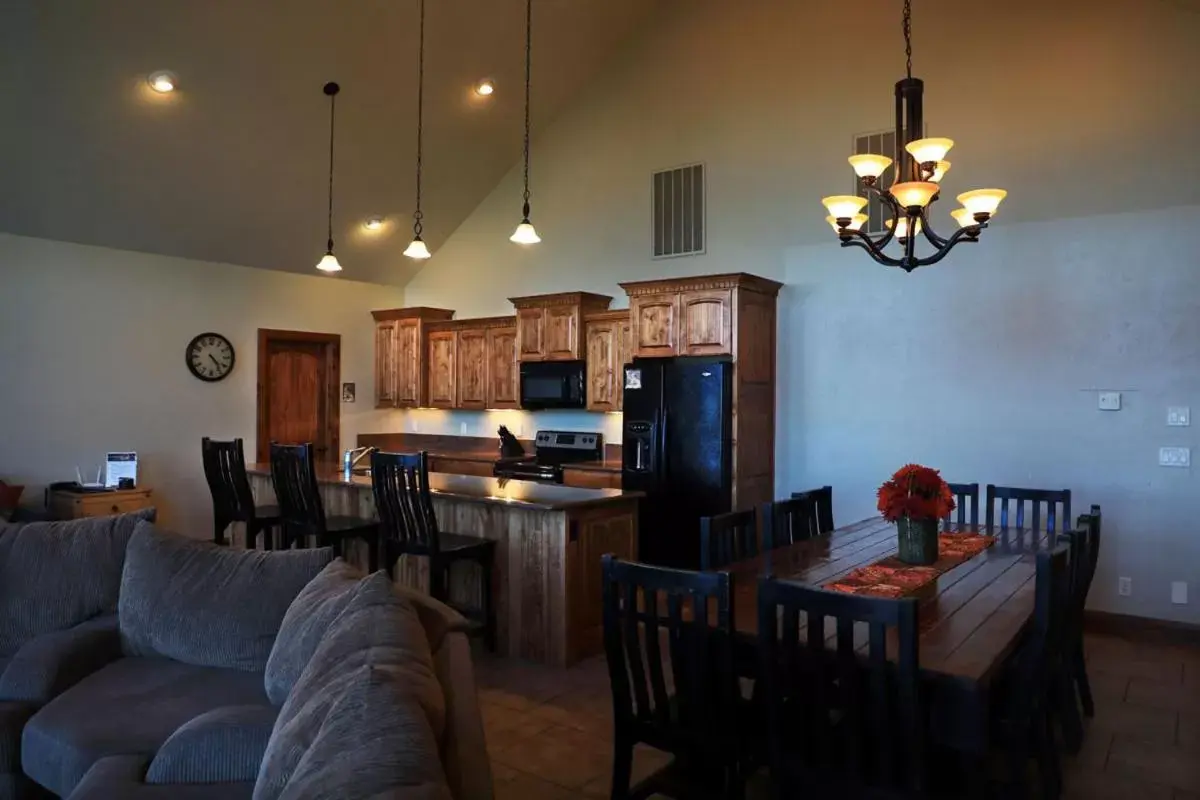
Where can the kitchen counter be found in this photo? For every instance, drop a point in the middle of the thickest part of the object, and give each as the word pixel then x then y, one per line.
pixel 474 449
pixel 472 488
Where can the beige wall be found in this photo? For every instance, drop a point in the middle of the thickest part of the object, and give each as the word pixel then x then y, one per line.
pixel 987 365
pixel 91 360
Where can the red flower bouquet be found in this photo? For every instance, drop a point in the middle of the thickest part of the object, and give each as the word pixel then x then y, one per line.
pixel 915 492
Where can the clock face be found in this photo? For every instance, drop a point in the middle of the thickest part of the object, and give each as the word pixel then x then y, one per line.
pixel 210 357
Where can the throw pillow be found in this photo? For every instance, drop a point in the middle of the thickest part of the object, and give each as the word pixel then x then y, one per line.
pixel 207 605
pixel 10 498
pixel 305 623
pixel 377 639
pixel 55 575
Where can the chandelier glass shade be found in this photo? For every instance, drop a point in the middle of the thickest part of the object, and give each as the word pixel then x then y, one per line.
pixel 919 166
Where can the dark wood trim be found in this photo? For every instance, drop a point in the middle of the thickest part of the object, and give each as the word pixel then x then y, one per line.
pixel 732 280
pixel 415 312
pixel 1143 629
pixel 587 300
pixel 333 389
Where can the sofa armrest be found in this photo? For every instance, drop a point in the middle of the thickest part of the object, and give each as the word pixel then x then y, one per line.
pixel 224 745
pixel 48 665
pixel 464 750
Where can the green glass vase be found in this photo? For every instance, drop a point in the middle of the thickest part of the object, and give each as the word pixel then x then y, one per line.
pixel 918 540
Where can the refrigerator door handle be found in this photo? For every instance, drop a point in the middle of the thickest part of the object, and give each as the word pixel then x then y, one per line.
pixel 662 445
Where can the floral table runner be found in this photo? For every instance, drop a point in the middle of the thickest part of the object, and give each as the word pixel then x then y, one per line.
pixel 891 577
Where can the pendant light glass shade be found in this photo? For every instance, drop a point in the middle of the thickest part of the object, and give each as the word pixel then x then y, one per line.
pixel 925 150
pixel 329 263
pixel 902 227
pixel 939 171
pixel 869 165
pixel 963 217
pixel 856 223
pixel 982 201
pixel 525 234
pixel 417 249
pixel 914 194
pixel 844 206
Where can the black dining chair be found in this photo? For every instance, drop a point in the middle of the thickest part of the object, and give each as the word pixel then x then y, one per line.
pixel 1076 657
pixel 410 527
pixel 233 501
pixel 842 720
pixel 1024 720
pixel 1050 499
pixel 962 493
pixel 1073 684
pixel 822 501
pixel 727 538
pixel 684 701
pixel 294 475
pixel 786 522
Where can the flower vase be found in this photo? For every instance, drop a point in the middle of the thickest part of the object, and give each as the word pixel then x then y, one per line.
pixel 918 539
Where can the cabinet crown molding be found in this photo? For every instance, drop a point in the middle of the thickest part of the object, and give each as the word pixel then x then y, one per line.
pixel 587 300
pixel 476 323
pixel 415 312
pixel 732 280
pixel 616 315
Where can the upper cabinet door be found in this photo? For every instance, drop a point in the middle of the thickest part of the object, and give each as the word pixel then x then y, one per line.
pixel 602 366
pixel 531 334
pixel 503 370
pixel 443 373
pixel 472 368
pixel 706 323
pixel 385 363
pixel 655 320
pixel 624 354
pixel 408 363
pixel 562 333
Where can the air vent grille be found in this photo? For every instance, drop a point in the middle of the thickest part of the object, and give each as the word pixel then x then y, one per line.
pixel 678 208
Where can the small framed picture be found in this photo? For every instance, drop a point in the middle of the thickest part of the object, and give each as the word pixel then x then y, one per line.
pixel 633 378
pixel 347 392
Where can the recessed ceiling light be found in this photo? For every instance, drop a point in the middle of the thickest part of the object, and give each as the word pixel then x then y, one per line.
pixel 373 224
pixel 485 87
pixel 162 81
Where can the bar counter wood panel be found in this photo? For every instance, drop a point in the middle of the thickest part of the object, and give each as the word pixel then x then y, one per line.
pixel 547 559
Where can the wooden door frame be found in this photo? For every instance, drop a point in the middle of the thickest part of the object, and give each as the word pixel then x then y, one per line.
pixel 332 349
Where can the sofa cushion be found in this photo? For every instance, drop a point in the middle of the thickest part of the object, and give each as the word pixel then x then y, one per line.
pixel 306 621
pixel 49 664
pixel 131 706
pixel 12 718
pixel 122 778
pixel 208 605
pixel 54 575
pixel 219 746
pixel 372 667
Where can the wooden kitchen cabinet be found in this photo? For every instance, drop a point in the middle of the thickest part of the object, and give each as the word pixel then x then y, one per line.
pixel 549 325
pixel 687 317
pixel 443 368
pixel 590 535
pixel 607 351
pixel 472 363
pixel 705 322
pixel 386 362
pixel 655 320
pixel 503 379
pixel 400 363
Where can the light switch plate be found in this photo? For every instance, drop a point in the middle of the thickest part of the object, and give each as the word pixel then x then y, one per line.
pixel 1174 456
pixel 1110 401
pixel 1179 593
pixel 1179 416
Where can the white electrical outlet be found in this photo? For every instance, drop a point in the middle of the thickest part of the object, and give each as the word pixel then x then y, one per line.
pixel 1110 401
pixel 1179 416
pixel 1125 587
pixel 1174 456
pixel 462 428
pixel 1179 593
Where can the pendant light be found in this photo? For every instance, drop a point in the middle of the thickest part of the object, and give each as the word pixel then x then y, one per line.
pixel 329 262
pixel 525 233
pixel 416 248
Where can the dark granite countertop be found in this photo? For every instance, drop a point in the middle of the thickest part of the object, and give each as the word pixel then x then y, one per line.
pixel 607 465
pixel 527 494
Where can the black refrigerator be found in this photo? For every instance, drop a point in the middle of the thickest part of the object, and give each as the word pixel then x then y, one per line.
pixel 677 448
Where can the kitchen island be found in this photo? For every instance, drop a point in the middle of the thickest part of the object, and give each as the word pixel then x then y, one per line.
pixel 549 542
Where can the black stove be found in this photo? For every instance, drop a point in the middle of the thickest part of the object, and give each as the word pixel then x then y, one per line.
pixel 552 449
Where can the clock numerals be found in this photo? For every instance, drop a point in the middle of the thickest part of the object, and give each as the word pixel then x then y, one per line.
pixel 210 357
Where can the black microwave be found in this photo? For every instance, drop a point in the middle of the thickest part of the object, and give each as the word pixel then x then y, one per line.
pixel 553 384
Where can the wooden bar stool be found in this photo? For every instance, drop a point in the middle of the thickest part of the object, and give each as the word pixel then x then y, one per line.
pixel 295 477
pixel 225 471
pixel 410 527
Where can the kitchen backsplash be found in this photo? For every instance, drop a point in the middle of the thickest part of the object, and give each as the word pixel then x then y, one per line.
pixel 484 423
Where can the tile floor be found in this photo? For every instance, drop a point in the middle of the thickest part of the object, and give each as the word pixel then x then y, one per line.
pixel 549 730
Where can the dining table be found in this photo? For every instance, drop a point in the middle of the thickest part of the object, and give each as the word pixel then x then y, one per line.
pixel 971 617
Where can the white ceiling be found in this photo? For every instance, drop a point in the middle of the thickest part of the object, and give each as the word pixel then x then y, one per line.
pixel 232 167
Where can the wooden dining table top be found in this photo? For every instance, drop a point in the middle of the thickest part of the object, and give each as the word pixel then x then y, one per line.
pixel 971 617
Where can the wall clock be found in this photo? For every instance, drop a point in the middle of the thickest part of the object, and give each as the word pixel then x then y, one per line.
pixel 210 357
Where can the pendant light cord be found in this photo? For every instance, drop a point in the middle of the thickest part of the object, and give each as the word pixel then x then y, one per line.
pixel 331 89
pixel 528 61
pixel 908 37
pixel 417 215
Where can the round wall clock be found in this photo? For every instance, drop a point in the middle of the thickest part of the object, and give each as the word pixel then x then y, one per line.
pixel 210 357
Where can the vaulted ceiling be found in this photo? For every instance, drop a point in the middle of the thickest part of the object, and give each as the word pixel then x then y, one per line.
pixel 232 166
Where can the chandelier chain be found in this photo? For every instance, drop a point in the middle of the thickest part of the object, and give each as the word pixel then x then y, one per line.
pixel 528 60
pixel 417 215
pixel 908 37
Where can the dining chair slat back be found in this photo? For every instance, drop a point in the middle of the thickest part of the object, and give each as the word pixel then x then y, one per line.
pixel 1057 520
pixel 786 522
pixel 822 501
pixel 726 538
pixel 964 492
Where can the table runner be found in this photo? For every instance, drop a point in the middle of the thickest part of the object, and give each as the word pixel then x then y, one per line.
pixel 891 577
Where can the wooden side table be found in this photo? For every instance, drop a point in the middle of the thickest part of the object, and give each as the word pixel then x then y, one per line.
pixel 77 505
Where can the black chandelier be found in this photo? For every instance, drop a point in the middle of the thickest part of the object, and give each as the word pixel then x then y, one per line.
pixel 920 167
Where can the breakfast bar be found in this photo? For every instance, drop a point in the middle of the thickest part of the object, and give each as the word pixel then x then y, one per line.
pixel 550 539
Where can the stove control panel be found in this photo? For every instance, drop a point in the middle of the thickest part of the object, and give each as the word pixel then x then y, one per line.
pixel 569 440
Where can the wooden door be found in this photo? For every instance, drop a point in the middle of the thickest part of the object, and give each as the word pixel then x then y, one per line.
pixel 602 346
pixel 299 392
pixel 624 356
pixel 531 334
pixel 591 535
pixel 503 369
pixel 561 335
pixel 408 363
pixel 443 371
pixel 706 323
pixel 385 363
pixel 655 319
pixel 472 368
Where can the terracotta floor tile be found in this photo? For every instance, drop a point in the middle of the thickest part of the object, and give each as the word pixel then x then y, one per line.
pixel 646 761
pixel 563 756
pixel 1103 786
pixel 1149 762
pixel 1093 754
pixel 1182 795
pixel 590 713
pixel 1133 721
pixel 1161 694
pixel 514 735
pixel 1189 733
pixel 522 786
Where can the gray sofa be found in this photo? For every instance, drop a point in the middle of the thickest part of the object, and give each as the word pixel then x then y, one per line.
pixel 207 684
